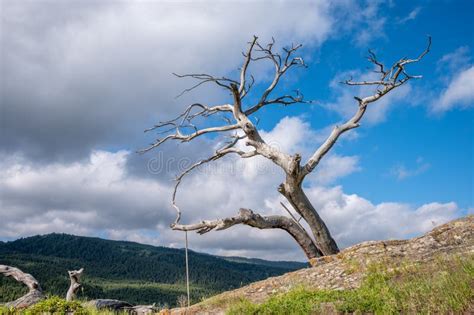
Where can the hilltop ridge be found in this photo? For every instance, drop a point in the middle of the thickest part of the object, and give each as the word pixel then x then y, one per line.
pixel 347 270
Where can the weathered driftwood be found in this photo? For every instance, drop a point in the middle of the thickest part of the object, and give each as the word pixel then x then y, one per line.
pixel 75 277
pixel 239 117
pixel 35 293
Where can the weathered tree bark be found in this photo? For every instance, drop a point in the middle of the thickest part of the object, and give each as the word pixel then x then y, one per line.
pixel 35 293
pixel 75 277
pixel 237 115
pixel 300 202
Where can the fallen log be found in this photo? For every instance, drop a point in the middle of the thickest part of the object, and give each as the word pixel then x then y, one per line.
pixel 35 293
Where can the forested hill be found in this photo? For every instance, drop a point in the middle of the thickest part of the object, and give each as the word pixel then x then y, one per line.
pixel 125 270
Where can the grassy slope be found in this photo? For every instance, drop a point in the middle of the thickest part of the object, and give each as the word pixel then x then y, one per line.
pixel 440 286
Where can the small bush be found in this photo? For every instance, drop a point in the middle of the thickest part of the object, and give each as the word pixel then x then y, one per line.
pixel 56 305
pixel 6 310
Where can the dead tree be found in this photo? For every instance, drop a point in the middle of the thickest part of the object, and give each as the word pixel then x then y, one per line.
pixel 240 129
pixel 35 293
pixel 75 277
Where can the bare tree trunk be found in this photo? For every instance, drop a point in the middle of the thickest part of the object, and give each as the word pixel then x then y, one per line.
pixel 300 202
pixel 296 231
pixel 75 277
pixel 35 293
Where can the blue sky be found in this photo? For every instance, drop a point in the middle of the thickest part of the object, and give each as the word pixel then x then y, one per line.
pixel 81 81
pixel 442 143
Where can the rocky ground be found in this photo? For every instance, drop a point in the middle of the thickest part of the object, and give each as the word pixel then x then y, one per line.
pixel 346 269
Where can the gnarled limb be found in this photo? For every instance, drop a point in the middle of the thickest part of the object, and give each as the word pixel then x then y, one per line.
pixel 248 217
pixel 35 293
pixel 75 277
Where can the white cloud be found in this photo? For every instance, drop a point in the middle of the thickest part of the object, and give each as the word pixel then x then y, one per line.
pixel 455 61
pixel 84 76
pixel 101 73
pixel 367 25
pixel 411 16
pixel 335 166
pixel 401 172
pixel 79 197
pixel 353 219
pixel 98 196
pixel 458 94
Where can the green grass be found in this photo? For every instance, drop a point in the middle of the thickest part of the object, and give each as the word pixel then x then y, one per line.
pixel 51 305
pixel 441 286
pixel 56 305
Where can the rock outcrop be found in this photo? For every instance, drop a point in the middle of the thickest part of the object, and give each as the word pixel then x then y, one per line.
pixel 346 270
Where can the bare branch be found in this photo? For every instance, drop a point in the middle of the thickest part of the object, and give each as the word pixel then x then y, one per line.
pixel 350 82
pixel 280 68
pixel 254 139
pixel 389 80
pixel 283 100
pixel 292 216
pixel 229 148
pixel 205 78
pixel 248 217
pixel 187 115
pixel 373 58
pixel 243 72
pixel 189 137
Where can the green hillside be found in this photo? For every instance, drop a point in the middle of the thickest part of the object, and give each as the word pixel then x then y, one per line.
pixel 125 270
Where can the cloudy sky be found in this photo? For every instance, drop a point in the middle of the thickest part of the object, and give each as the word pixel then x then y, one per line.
pixel 81 80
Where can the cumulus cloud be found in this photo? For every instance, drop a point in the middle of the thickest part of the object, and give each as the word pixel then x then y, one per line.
pixel 85 78
pixel 79 197
pixel 458 94
pixel 99 197
pixel 353 218
pixel 83 75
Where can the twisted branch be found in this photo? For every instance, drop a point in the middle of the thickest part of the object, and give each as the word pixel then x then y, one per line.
pixel 390 79
pixel 248 217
